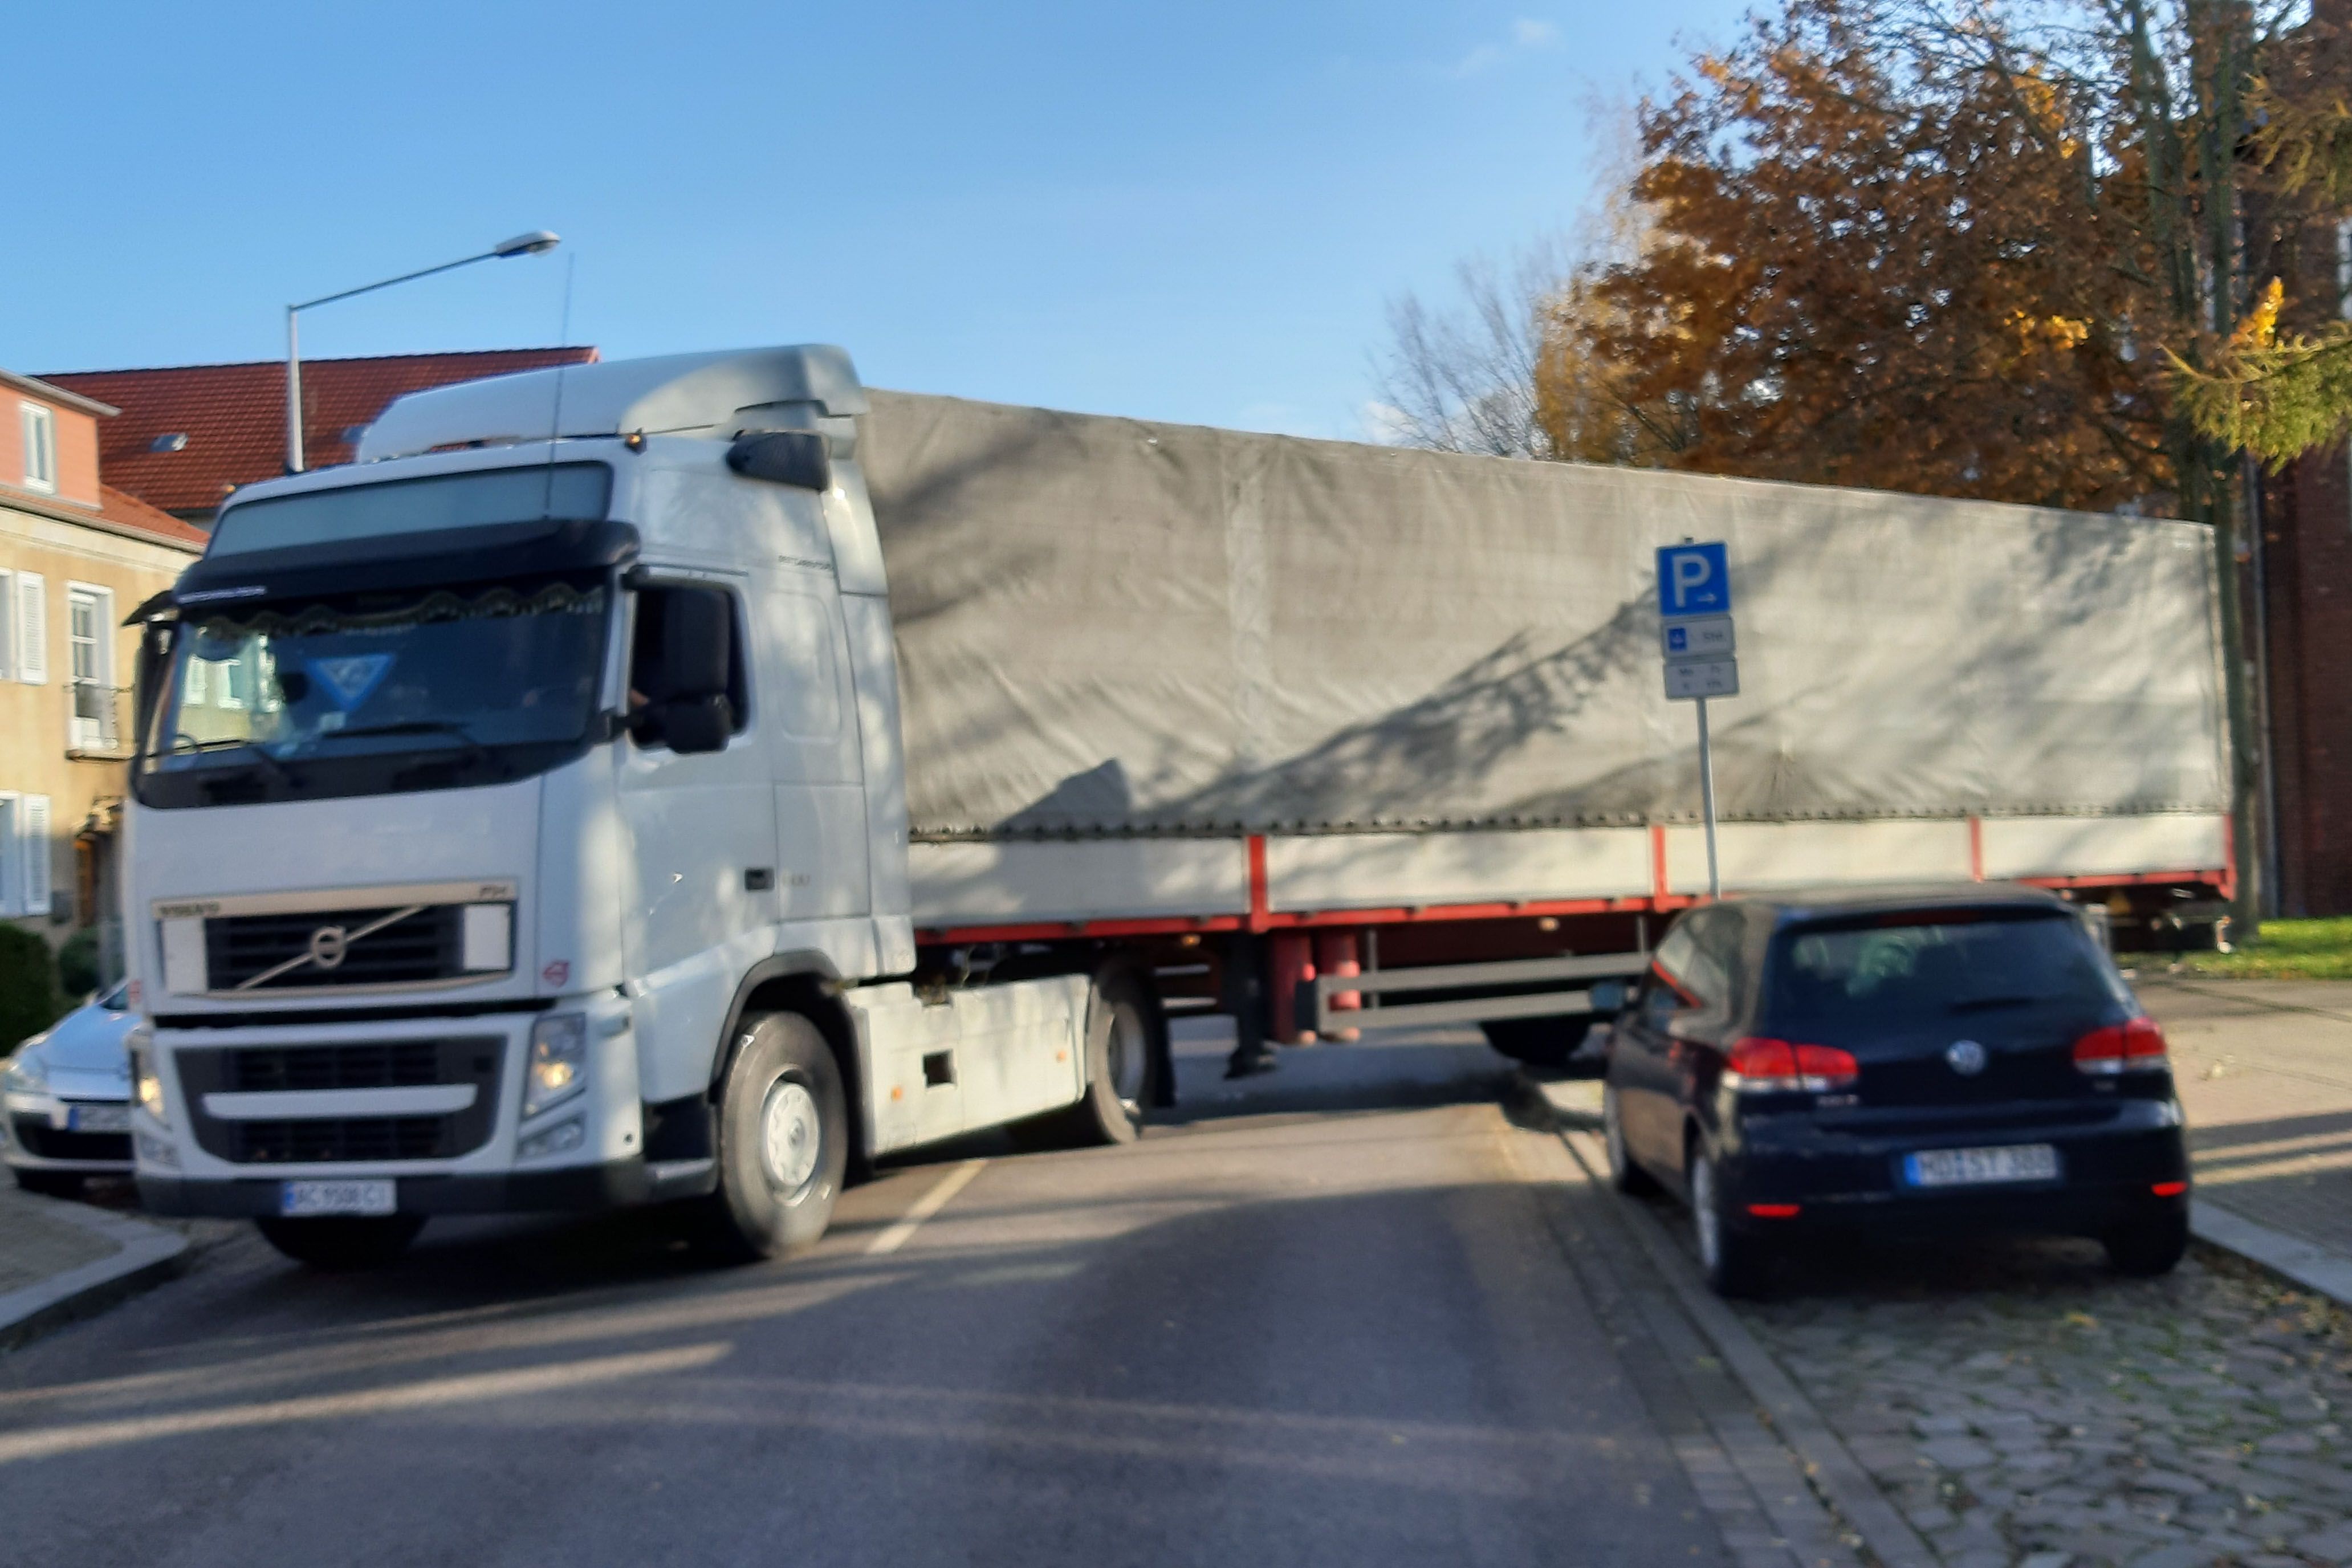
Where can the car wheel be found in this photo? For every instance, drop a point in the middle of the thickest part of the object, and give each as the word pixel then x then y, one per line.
pixel 1624 1173
pixel 2146 1248
pixel 1733 1261
pixel 51 1184
pixel 337 1242
pixel 784 1144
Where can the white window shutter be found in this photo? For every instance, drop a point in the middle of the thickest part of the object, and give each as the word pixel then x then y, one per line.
pixel 32 628
pixel 36 837
pixel 7 625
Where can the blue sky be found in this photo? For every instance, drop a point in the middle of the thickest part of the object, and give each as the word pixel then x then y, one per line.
pixel 1190 212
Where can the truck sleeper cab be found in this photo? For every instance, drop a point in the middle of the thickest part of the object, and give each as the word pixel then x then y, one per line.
pixel 519 827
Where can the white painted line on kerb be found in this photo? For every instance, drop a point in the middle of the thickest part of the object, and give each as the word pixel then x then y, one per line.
pixel 928 1205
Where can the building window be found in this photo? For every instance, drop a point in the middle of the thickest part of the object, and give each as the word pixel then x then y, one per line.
pixel 90 642
pixel 24 854
pixel 40 431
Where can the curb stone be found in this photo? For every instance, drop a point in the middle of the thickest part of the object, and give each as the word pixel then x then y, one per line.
pixel 1829 1464
pixel 2299 1262
pixel 146 1254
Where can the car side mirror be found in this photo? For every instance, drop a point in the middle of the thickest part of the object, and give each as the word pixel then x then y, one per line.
pixel 800 458
pixel 688 724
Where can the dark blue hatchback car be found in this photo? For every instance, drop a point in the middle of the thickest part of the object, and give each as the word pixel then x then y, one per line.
pixel 1915 1063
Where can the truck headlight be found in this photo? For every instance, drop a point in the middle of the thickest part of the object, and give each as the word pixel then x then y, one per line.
pixel 559 1062
pixel 146 1085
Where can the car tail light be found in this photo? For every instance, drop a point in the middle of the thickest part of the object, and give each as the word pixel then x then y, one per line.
pixel 2168 1189
pixel 1761 1066
pixel 2132 1047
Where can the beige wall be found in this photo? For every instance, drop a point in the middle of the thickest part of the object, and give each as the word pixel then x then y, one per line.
pixel 35 735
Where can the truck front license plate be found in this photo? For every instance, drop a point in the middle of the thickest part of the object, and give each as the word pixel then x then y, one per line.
pixel 303 1199
pixel 1975 1167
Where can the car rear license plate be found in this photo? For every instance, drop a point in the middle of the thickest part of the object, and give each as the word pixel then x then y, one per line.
pixel 98 1119
pixel 304 1199
pixel 1977 1167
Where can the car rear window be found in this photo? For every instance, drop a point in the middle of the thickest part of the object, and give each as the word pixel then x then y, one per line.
pixel 1935 966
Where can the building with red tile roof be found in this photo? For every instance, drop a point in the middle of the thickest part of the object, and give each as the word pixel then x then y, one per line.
pixel 188 434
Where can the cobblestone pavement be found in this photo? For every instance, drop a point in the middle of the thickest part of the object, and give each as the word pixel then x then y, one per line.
pixel 2022 1405
pixel 2264 1069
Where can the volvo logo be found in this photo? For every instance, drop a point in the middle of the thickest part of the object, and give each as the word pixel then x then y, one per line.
pixel 328 945
pixel 1965 1057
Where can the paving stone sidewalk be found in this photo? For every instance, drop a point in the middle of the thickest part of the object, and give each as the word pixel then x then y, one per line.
pixel 2264 1070
pixel 61 1261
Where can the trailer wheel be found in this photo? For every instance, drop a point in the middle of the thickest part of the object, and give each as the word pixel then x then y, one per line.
pixel 784 1144
pixel 337 1242
pixel 1539 1043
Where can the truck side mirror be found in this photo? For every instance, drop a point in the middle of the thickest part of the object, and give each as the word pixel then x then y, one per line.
pixel 689 725
pixel 800 458
pixel 698 638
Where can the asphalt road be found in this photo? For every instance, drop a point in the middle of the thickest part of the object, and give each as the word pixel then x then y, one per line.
pixel 1318 1319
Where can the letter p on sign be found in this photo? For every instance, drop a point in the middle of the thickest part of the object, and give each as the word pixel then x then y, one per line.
pixel 1693 580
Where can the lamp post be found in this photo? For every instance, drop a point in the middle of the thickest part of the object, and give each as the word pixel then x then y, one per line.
pixel 530 243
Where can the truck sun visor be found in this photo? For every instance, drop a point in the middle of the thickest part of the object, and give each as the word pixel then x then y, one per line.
pixel 397 562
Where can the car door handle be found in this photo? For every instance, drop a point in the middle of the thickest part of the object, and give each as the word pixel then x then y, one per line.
pixel 758 879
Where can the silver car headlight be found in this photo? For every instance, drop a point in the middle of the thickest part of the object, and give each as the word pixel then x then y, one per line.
pixel 27 1073
pixel 559 1062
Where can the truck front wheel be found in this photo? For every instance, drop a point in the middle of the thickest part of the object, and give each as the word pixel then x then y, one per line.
pixel 784 1144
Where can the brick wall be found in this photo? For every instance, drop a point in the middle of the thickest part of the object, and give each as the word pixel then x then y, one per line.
pixel 2308 572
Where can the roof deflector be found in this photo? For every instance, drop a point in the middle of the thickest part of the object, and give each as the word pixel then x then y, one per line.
pixel 714 395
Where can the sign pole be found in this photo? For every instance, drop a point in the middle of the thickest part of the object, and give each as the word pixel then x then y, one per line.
pixel 1695 633
pixel 1707 799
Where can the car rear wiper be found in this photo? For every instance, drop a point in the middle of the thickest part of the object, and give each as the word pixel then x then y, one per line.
pixel 418 726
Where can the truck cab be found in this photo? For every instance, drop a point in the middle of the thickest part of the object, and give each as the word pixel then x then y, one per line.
pixel 519 823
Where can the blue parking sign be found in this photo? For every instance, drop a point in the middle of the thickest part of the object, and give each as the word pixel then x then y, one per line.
pixel 1693 580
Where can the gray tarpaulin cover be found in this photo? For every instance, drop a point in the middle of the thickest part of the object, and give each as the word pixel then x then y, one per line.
pixel 1107 625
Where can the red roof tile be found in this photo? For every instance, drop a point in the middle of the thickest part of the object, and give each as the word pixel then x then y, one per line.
pixel 235 415
pixel 130 512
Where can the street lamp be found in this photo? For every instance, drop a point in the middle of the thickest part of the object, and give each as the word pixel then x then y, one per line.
pixel 529 244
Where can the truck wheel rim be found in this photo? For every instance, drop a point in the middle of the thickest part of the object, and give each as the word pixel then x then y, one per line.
pixel 1129 1061
pixel 1703 1215
pixel 791 1136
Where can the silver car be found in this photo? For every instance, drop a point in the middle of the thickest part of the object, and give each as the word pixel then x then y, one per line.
pixel 66 1096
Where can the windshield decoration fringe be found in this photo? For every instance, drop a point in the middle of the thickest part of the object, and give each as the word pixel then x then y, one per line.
pixel 440 605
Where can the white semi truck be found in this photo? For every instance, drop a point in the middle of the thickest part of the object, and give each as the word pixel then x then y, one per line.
pixel 685 781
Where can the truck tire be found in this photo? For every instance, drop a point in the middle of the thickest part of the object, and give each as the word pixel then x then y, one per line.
pixel 784 1144
pixel 1539 1043
pixel 1127 1053
pixel 338 1242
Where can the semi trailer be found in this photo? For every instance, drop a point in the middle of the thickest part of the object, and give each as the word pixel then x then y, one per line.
pixel 686 781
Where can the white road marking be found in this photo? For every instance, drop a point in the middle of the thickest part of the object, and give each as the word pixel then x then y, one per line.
pixel 928 1205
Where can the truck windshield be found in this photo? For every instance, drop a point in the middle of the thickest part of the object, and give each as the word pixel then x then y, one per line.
pixel 470 669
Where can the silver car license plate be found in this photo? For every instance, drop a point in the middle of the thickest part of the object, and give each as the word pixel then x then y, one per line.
pixel 305 1199
pixel 98 1118
pixel 1979 1167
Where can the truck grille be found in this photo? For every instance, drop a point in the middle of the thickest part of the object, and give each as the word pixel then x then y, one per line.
pixel 390 1065
pixel 425 946
pixel 371 1064
pixel 346 1138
